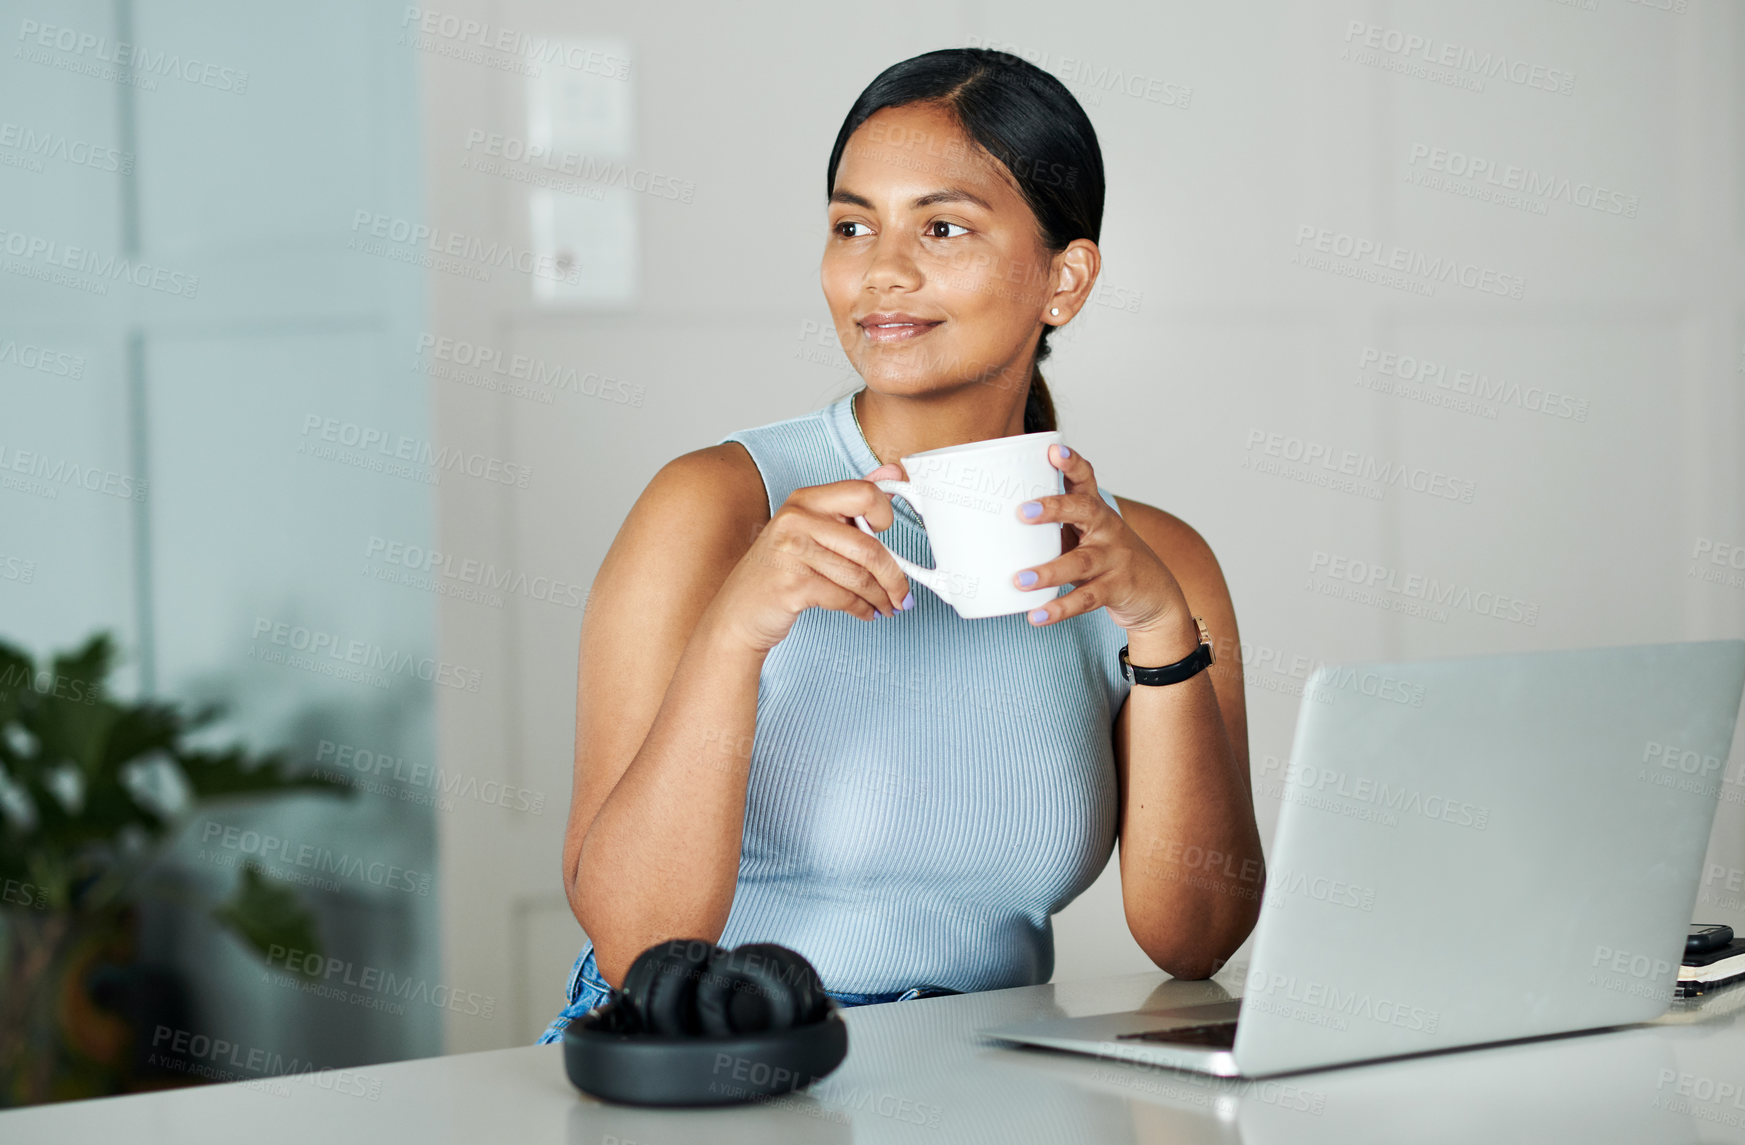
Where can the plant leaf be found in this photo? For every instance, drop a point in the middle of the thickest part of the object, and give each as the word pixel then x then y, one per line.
pixel 217 774
pixel 268 916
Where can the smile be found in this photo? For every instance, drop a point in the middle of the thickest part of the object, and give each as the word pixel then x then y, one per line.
pixel 896 331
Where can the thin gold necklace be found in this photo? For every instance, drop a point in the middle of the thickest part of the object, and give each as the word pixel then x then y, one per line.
pixel 862 432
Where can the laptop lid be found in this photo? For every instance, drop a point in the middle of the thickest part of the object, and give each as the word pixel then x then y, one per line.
pixel 1485 848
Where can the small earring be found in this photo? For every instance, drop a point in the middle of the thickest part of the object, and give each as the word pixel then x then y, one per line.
pixel 1054 310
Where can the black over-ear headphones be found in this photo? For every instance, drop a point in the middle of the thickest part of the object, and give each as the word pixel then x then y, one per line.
pixel 698 1024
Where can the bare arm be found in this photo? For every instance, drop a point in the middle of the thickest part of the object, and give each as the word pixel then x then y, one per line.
pixel 1192 869
pixel 698 585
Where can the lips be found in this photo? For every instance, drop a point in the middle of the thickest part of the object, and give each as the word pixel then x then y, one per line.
pixel 896 327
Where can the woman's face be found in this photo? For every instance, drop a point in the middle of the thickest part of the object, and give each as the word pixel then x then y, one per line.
pixel 935 270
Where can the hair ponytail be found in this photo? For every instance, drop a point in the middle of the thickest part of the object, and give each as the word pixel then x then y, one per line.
pixel 1038 405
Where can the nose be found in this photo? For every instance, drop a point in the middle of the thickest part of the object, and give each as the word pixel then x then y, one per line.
pixel 893 265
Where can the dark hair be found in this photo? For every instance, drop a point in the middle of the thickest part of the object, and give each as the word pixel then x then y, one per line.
pixel 1027 120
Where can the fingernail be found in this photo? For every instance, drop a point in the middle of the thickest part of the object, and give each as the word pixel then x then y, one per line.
pixel 1037 615
pixel 1026 578
pixel 1032 508
pixel 908 601
pixel 1065 452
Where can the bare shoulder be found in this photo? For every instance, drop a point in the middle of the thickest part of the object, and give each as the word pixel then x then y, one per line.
pixel 709 487
pixel 1177 543
pixel 696 517
pixel 722 473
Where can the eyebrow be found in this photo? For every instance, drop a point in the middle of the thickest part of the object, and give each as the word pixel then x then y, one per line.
pixel 947 195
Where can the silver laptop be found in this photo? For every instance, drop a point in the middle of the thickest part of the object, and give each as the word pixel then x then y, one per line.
pixel 1469 850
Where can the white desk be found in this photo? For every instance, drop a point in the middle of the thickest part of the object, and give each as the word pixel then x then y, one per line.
pixel 916 1072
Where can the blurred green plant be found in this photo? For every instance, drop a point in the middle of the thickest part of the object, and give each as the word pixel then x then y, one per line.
pixel 93 791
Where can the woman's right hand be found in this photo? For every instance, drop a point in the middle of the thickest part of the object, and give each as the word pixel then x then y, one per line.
pixel 812 554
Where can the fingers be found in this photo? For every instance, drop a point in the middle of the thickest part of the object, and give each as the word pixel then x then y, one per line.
pixel 846 500
pixel 1076 471
pixel 1075 567
pixel 1082 599
pixel 1084 511
pixel 884 583
pixel 849 570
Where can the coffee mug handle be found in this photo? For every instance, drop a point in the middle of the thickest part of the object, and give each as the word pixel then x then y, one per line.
pixel 929 577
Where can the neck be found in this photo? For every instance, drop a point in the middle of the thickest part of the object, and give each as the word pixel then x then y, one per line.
pixel 899 425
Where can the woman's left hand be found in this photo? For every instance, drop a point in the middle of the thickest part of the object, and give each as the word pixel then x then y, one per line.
pixel 1109 567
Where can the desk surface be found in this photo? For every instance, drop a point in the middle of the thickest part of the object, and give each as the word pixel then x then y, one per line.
pixel 917 1072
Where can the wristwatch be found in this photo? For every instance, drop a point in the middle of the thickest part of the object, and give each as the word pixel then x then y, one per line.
pixel 1175 673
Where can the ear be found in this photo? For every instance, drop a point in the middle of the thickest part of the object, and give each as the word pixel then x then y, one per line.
pixel 1075 272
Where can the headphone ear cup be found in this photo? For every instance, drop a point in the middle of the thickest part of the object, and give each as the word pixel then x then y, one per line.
pixel 811 1003
pixel 661 985
pixel 757 987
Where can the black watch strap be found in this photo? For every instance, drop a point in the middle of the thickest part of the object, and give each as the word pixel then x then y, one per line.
pixel 1182 669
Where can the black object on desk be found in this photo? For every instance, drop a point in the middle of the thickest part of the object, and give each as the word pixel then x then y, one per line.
pixel 697 1024
pixel 1713 958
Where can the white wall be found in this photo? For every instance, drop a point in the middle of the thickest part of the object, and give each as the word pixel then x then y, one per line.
pixel 1589 524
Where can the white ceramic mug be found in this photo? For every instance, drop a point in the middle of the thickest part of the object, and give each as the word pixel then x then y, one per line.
pixel 967 497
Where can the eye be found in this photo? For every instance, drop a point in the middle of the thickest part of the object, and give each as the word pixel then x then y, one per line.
pixel 933 232
pixel 837 229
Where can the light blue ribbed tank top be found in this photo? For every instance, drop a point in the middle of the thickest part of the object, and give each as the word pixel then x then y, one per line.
pixel 925 791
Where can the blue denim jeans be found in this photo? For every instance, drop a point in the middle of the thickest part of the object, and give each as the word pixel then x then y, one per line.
pixel 586 989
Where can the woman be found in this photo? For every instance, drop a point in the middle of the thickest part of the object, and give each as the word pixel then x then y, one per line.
pixel 907 804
